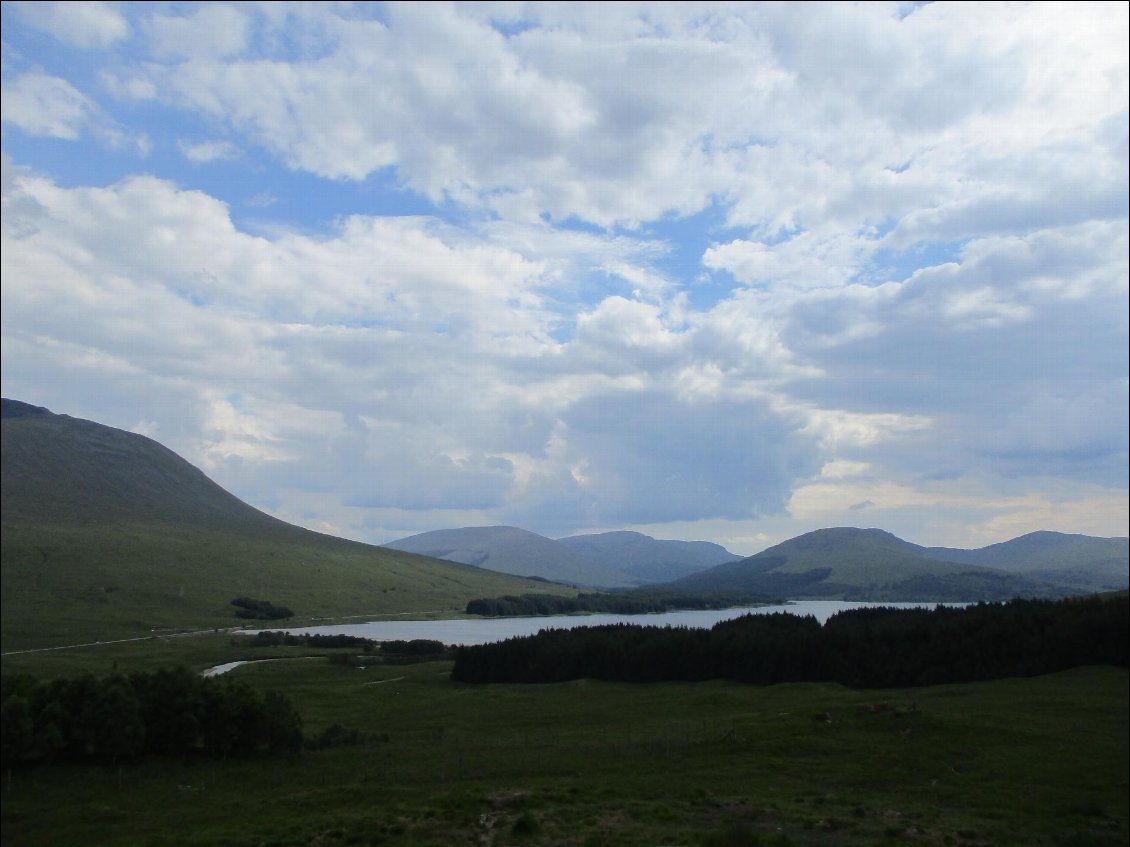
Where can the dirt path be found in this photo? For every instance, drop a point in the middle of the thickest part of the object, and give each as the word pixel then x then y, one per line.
pixel 122 640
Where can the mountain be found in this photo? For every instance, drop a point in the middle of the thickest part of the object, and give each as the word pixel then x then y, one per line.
pixel 108 534
pixel 1079 561
pixel 646 560
pixel 515 551
pixel 870 564
pixel 603 560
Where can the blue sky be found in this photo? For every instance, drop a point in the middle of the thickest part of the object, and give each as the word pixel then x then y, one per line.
pixel 721 272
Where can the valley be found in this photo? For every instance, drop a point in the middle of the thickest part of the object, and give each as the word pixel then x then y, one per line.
pixel 131 558
pixel 1032 761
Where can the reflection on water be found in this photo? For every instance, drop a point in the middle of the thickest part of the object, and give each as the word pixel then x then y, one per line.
pixel 468 631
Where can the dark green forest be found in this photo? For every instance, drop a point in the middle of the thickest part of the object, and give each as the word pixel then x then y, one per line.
pixel 636 601
pixel 861 648
pixel 119 717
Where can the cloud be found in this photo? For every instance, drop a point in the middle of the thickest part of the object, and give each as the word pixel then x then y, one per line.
pixel 211 31
pixel 720 460
pixel 567 266
pixel 528 123
pixel 830 129
pixel 384 315
pixel 44 105
pixel 807 260
pixel 436 343
pixel 88 24
pixel 209 151
pixel 1016 355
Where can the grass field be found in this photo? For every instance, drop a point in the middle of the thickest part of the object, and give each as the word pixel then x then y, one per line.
pixel 1023 761
pixel 66 585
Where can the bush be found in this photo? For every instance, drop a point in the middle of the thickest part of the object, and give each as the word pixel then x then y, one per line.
pixel 259 609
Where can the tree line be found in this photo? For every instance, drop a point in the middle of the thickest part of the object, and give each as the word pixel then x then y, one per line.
pixel 259 610
pixel 271 638
pixel 630 602
pixel 120 717
pixel 397 648
pixel 862 648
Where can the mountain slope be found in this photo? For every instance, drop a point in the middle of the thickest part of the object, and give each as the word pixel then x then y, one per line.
pixel 863 564
pixel 63 470
pixel 108 534
pixel 647 560
pixel 515 551
pixel 1081 561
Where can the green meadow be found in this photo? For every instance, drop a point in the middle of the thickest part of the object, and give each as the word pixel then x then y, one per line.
pixel 1038 761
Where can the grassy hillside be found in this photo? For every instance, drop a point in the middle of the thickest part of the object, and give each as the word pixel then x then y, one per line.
pixel 107 534
pixel 1093 564
pixel 861 564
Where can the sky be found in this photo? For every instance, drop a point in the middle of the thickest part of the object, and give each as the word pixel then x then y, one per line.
pixel 724 272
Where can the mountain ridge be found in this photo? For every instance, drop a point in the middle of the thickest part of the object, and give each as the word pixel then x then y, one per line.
pixel 601 560
pixel 648 560
pixel 850 563
pixel 509 549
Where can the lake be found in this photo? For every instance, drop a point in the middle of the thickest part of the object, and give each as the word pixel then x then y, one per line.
pixel 468 631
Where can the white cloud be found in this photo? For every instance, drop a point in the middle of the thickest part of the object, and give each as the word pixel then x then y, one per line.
pixel 48 106
pixel 86 24
pixel 628 335
pixel 136 87
pixel 807 260
pixel 45 105
pixel 841 468
pixel 212 30
pixel 209 151
pixel 236 434
pixel 840 123
pixel 435 345
pixel 910 267
pixel 1018 374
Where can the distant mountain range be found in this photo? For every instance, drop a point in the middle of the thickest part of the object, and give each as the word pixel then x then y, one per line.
pixel 843 563
pixel 869 564
pixel 604 560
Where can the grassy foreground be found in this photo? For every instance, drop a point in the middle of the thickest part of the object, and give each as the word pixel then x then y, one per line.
pixel 1023 761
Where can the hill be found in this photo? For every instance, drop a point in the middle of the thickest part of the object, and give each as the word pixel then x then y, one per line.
pixel 646 560
pixel 108 534
pixel 508 549
pixel 601 560
pixel 869 564
pixel 1079 561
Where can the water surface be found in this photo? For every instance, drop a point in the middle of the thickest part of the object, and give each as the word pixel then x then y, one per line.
pixel 467 631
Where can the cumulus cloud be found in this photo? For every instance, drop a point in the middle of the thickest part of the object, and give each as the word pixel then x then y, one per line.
pixel 830 129
pixel 904 292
